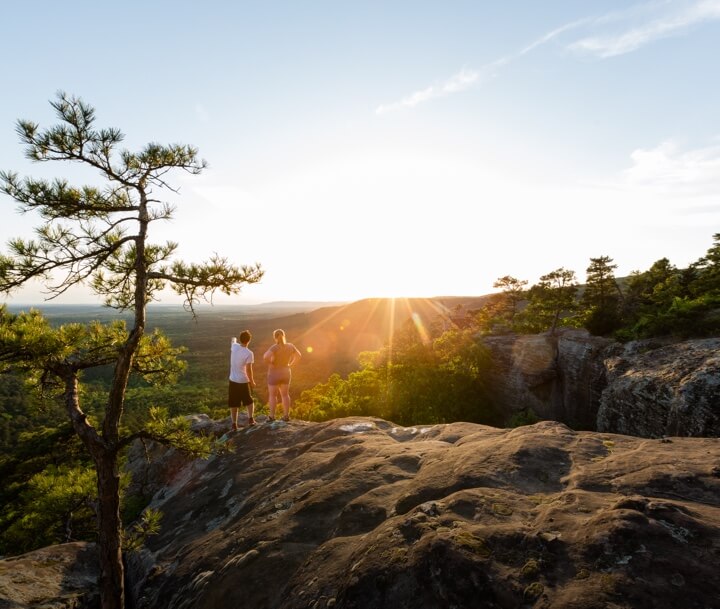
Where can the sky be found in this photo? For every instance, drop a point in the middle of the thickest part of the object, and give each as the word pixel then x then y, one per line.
pixel 407 148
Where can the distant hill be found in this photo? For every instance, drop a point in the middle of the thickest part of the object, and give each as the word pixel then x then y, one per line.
pixel 370 323
pixel 330 337
pixel 304 305
pixel 93 311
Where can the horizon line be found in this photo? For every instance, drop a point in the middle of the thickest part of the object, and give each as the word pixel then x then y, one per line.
pixel 257 304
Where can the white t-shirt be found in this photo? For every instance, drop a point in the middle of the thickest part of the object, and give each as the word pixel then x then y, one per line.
pixel 239 357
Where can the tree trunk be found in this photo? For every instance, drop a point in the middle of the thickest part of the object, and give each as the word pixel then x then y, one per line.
pixel 556 319
pixel 112 589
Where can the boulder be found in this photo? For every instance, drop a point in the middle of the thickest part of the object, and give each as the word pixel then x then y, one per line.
pixel 57 577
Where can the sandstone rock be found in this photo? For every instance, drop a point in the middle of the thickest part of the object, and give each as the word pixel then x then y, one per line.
pixel 524 372
pixel 648 388
pixel 582 377
pixel 152 465
pixel 56 577
pixel 560 377
pixel 361 513
pixel 663 390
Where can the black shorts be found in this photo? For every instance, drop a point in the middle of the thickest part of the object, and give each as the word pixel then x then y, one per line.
pixel 239 395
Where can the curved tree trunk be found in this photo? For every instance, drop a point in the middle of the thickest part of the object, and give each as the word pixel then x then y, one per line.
pixel 112 590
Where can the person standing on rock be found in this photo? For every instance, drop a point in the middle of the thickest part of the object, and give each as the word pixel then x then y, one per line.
pixel 241 379
pixel 280 357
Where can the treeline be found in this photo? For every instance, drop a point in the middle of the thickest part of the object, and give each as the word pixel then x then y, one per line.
pixel 663 300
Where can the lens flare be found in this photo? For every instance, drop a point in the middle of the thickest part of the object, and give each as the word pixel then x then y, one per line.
pixel 417 320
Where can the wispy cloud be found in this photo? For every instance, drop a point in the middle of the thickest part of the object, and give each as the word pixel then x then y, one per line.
pixel 667 169
pixel 467 78
pixel 672 23
pixel 545 38
pixel 650 25
pixel 459 82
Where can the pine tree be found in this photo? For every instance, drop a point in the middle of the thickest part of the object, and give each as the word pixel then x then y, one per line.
pixel 602 296
pixel 513 292
pixel 551 298
pixel 99 237
pixel 708 270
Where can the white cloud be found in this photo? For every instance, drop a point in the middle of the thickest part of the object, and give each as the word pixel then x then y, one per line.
pixel 464 79
pixel 468 77
pixel 667 169
pixel 545 38
pixel 670 24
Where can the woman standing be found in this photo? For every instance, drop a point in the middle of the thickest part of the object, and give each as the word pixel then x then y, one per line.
pixel 280 357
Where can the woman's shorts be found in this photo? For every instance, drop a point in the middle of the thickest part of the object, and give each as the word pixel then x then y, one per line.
pixel 279 376
pixel 239 395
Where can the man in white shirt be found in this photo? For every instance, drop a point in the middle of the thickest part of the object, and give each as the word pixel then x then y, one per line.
pixel 241 379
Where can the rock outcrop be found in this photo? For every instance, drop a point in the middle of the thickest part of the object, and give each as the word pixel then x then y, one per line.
pixel 359 513
pixel 559 377
pixel 646 388
pixel 663 390
pixel 56 577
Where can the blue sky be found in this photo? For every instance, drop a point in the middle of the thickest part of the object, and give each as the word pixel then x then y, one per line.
pixel 395 148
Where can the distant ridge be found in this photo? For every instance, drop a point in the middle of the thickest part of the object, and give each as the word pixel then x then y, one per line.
pixel 291 304
pixel 306 304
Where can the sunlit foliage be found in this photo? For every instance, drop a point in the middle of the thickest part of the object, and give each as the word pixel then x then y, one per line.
pixel 57 506
pixel 551 302
pixel 411 381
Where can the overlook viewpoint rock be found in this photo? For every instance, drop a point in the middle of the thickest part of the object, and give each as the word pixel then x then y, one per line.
pixel 360 513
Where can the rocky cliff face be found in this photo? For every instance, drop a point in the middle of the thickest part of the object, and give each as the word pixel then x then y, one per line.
pixel 663 390
pixel 645 388
pixel 559 377
pixel 360 513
